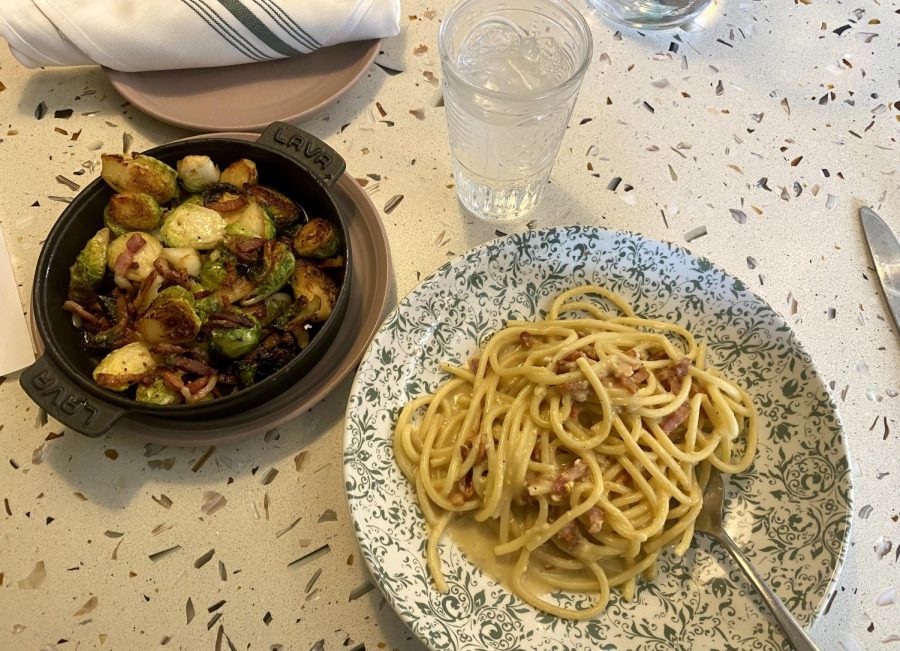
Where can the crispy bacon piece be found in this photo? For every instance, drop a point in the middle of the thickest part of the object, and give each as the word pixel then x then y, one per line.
pixel 247 249
pixel 195 385
pixel 676 418
pixel 672 377
pixel 464 486
pixel 567 364
pixel 194 366
pixel 569 535
pixel 87 317
pixel 123 262
pixel 170 273
pixel 633 382
pixel 198 389
pixel 526 339
pixel 165 348
pixel 682 368
pixel 594 517
pixel 566 479
pixel 580 390
pixel 228 319
pixel 172 380
pixel 135 243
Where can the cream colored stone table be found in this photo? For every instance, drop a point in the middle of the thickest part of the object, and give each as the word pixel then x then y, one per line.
pixel 752 142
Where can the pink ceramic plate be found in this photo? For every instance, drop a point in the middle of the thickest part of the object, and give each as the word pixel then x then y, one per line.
pixel 247 97
pixel 371 281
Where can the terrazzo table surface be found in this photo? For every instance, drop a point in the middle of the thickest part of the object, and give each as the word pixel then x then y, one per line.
pixel 752 142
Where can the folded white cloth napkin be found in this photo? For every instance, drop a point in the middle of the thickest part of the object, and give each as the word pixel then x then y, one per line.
pixel 133 35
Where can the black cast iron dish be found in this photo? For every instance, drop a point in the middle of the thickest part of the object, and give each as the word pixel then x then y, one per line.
pixel 289 160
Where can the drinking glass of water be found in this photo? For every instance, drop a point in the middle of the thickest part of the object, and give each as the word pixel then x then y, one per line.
pixel 512 70
pixel 651 14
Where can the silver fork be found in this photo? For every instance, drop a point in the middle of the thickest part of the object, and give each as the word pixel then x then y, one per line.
pixel 710 522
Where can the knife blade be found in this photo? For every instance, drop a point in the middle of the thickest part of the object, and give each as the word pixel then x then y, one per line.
pixel 885 252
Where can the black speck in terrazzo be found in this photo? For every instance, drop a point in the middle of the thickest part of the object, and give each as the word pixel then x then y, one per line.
pixel 738 215
pixel 389 71
pixel 204 559
pixel 212 621
pixel 695 233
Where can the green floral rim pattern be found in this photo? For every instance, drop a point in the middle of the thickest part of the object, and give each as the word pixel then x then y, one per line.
pixel 790 511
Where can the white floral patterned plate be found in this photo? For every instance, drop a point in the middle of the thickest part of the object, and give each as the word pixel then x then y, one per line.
pixel 790 512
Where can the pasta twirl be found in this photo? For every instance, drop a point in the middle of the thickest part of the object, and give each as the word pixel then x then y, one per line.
pixel 583 441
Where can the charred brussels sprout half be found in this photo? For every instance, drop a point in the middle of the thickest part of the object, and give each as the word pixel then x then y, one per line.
pixel 171 318
pixel 140 173
pixel 132 211
pixel 311 283
pixel 318 238
pixel 277 266
pixel 192 226
pixel 86 275
pixel 224 198
pixel 240 173
pixel 125 366
pixel 234 343
pixel 280 208
pixel 251 220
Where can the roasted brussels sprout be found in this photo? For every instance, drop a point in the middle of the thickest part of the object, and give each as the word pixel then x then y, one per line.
pixel 277 266
pixel 131 255
pixel 87 273
pixel 171 318
pixel 254 219
pixel 219 274
pixel 139 173
pixel 310 283
pixel 318 238
pixel 240 173
pixel 124 366
pixel 207 305
pixel 131 211
pixel 224 198
pixel 197 173
pixel 238 229
pixel 157 393
pixel 279 207
pixel 184 259
pixel 192 226
pixel 213 272
pixel 234 343
pixel 297 319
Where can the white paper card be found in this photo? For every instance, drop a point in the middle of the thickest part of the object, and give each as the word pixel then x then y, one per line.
pixel 16 351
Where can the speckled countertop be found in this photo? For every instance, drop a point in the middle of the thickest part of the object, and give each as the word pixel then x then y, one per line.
pixel 752 142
